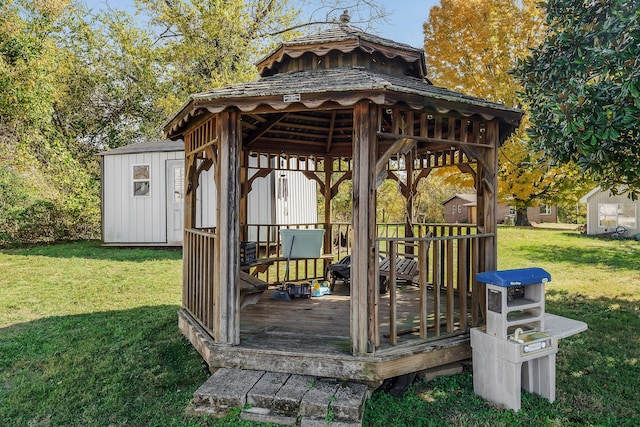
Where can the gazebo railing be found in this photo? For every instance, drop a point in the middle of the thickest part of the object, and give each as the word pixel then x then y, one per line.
pixel 447 301
pixel 441 300
pixel 198 272
pixel 340 234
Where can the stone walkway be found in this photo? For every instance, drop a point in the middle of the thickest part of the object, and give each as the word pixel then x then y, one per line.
pixel 286 399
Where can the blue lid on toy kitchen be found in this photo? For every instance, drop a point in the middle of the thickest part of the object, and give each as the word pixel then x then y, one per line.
pixel 517 277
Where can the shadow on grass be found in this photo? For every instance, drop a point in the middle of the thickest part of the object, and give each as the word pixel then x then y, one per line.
pixel 92 249
pixel 129 367
pixel 618 254
pixel 596 379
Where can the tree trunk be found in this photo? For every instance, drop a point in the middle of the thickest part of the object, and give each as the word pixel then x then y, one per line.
pixel 521 217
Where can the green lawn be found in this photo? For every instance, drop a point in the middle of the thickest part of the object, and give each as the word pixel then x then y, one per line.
pixel 88 336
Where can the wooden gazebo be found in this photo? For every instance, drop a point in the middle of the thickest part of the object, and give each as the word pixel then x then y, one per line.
pixel 338 105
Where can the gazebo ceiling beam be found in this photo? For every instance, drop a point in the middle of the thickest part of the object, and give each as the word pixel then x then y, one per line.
pixel 268 125
pixel 332 124
pixel 444 142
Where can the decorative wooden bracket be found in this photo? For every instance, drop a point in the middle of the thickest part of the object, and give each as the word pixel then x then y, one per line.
pixel 423 174
pixel 334 187
pixel 402 145
pixel 465 168
pixel 313 176
pixel 262 173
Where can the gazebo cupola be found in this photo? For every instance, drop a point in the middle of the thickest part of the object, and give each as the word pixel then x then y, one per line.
pixel 344 47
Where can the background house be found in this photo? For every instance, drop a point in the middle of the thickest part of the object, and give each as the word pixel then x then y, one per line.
pixel 461 208
pixel 143 196
pixel 606 212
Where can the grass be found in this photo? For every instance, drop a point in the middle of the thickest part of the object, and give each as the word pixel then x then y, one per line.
pixel 88 336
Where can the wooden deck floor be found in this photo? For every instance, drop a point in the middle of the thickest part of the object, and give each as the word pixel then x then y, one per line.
pixel 312 337
pixel 321 324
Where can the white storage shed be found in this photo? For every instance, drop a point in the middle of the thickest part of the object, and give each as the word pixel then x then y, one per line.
pixel 143 189
pixel 607 213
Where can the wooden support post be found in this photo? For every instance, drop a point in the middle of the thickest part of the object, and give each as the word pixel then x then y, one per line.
pixel 463 280
pixel 477 293
pixel 409 194
pixel 244 195
pixel 364 283
pixel 328 232
pixel 437 285
pixel 227 298
pixel 487 186
pixel 423 260
pixel 449 278
pixel 487 190
pixel 393 327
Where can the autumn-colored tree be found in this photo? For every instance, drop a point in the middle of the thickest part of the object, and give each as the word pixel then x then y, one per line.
pixel 471 46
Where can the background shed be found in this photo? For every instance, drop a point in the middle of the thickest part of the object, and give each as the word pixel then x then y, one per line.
pixel 606 212
pixel 143 196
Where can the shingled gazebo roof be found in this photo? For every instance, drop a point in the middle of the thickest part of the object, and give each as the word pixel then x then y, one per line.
pixel 341 65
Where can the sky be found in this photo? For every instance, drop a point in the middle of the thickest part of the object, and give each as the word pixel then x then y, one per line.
pixel 405 22
pixel 403 25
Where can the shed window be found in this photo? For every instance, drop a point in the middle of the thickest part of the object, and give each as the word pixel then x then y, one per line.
pixel 141 180
pixel 613 215
pixel 545 210
pixel 453 209
pixel 178 185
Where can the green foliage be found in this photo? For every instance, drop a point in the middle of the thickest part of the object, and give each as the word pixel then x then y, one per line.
pixel 74 82
pixel 582 89
pixel 27 218
pixel 111 91
pixel 208 44
pixel 432 192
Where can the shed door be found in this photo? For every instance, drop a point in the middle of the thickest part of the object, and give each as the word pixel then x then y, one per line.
pixel 175 201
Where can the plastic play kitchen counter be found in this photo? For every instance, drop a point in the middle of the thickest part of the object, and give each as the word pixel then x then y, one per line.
pixel 516 350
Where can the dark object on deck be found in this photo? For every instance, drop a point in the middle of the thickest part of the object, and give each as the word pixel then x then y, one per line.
pixel 341 270
pixel 397 386
pixel 302 290
pixel 281 294
pixel 248 252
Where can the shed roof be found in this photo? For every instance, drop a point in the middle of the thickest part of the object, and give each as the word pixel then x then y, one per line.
pixel 145 147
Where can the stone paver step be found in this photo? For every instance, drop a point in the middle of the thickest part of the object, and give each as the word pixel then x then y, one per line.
pixel 285 399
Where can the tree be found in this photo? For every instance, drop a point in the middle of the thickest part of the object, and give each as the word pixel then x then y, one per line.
pixel 471 46
pixel 46 193
pixel 111 75
pixel 75 81
pixel 582 88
